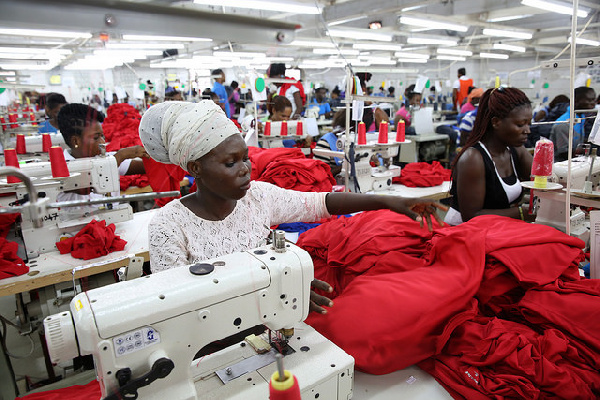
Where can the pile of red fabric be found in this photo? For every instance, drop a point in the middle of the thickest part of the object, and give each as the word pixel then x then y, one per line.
pixel 94 240
pixel 494 307
pixel 10 263
pixel 261 158
pixel 75 392
pixel 422 174
pixel 163 178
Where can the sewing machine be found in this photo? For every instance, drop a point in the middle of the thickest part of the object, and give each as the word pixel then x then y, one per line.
pixel 379 177
pixel 580 168
pixel 144 334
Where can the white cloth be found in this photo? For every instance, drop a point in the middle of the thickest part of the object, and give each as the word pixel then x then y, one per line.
pixel 179 237
pixel 178 132
pixel 289 93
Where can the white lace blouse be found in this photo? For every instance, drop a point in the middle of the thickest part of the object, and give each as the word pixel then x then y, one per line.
pixel 179 237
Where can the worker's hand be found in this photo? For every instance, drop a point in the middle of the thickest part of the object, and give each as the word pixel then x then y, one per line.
pixel 296 116
pixel 526 216
pixel 418 209
pixel 316 300
pixel 132 152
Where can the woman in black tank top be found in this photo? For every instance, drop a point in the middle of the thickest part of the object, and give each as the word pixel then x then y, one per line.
pixel 495 144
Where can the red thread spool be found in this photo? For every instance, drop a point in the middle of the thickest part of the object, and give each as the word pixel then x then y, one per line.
pixel 11 160
pixel 299 129
pixel 13 118
pixel 267 131
pixel 21 149
pixel 46 142
pixel 32 119
pixel 383 132
pixel 401 132
pixel 283 128
pixel 58 163
pixel 362 133
pixel 287 390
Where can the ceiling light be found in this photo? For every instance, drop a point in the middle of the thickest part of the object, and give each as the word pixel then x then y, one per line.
pixel 312 43
pixel 280 59
pixel 33 50
pixel 375 46
pixel 494 55
pixel 412 60
pixel 7 73
pixel 29 67
pixel 450 58
pixel 45 33
pixel 426 23
pixel 405 54
pixel 412 8
pixel 509 47
pixel 360 34
pixel 443 42
pixel 589 42
pixel 346 52
pixel 343 21
pixel 555 6
pixel 509 18
pixel 165 38
pixel 455 52
pixel 238 54
pixel 293 8
pixel 506 33
pixel 144 46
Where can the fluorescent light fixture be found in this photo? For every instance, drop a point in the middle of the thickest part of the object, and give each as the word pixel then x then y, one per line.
pixel 405 54
pixel 238 54
pixel 166 38
pixel 346 52
pixel 455 52
pixel 588 42
pixel 450 58
pixel 555 6
pixel 509 18
pixel 293 8
pixel 343 21
pixel 7 73
pixel 494 55
pixel 412 8
pixel 412 60
pixel 312 43
pixel 505 33
pixel 33 50
pixel 45 33
pixel 28 67
pixel 421 40
pixel 364 34
pixel 376 46
pixel 280 59
pixel 509 47
pixel 430 24
pixel 136 46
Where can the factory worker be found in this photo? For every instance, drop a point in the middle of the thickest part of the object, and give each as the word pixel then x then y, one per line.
pixel 53 103
pixel 487 172
pixel 228 213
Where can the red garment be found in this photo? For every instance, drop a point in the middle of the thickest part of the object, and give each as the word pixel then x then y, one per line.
pixel 261 158
pixel 94 240
pixel 422 174
pixel 134 180
pixel 6 223
pixel 76 392
pixel 10 264
pixel 304 175
pixel 293 82
pixel 121 126
pixel 163 178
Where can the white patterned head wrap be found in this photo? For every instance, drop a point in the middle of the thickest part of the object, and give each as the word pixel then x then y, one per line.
pixel 178 132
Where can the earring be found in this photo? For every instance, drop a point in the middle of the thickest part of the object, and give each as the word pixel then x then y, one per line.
pixel 76 146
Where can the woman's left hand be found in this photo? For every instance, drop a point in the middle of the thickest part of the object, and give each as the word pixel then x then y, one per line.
pixel 316 300
pixel 133 152
pixel 418 209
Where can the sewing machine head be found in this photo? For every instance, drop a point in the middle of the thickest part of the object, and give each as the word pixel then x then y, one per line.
pixel 580 168
pixel 373 164
pixel 155 325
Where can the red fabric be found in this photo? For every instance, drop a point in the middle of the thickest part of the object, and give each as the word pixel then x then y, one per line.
pixel 493 308
pixel 6 223
pixel 10 264
pixel 261 158
pixel 163 178
pixel 422 174
pixel 76 392
pixel 94 240
pixel 304 175
pixel 134 180
pixel 121 126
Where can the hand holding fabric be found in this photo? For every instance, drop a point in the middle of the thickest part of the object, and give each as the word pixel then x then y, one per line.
pixel 418 209
pixel 316 300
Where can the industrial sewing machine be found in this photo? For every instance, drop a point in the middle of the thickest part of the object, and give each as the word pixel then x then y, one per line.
pixel 144 334
pixel 378 177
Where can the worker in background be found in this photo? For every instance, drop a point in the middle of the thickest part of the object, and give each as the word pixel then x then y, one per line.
pixel 413 99
pixel 585 99
pixel 293 90
pixel 551 112
pixel 487 172
pixel 460 89
pixel 335 101
pixel 233 97
pixel 280 109
pixel 320 101
pixel 472 100
pixel 53 103
pixel 219 77
pixel 173 95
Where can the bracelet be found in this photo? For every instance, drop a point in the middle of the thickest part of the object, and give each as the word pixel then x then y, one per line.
pixel 521 213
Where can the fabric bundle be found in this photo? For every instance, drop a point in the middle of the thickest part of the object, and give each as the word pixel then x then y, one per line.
pixel 304 175
pixel 94 240
pixel 10 264
pixel 492 308
pixel 163 178
pixel 121 126
pixel 261 158
pixel 422 174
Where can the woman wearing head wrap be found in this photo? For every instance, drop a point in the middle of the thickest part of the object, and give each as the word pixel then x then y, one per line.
pixel 228 213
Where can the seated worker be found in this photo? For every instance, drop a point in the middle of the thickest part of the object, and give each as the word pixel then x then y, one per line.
pixel 413 99
pixel 53 103
pixel 329 142
pixel 557 107
pixel 294 91
pixel 228 212
pixel 319 100
pixel 336 101
pixel 486 173
pixel 80 126
pixel 173 95
pixel 585 99
pixel 472 100
pixel 281 110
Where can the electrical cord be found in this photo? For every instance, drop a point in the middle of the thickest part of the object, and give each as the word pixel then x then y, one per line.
pixel 4 321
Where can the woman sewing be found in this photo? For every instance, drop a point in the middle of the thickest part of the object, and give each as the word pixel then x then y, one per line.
pixel 228 213
pixel 486 174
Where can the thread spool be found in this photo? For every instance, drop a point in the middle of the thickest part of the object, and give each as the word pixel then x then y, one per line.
pixel 283 128
pixel 286 388
pixel 46 142
pixel 11 160
pixel 32 119
pixel 401 132
pixel 58 163
pixel 299 128
pixel 21 149
pixel 383 133
pixel 13 118
pixel 267 130
pixel 362 133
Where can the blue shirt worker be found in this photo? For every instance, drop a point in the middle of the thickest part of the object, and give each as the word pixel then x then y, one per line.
pixel 219 89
